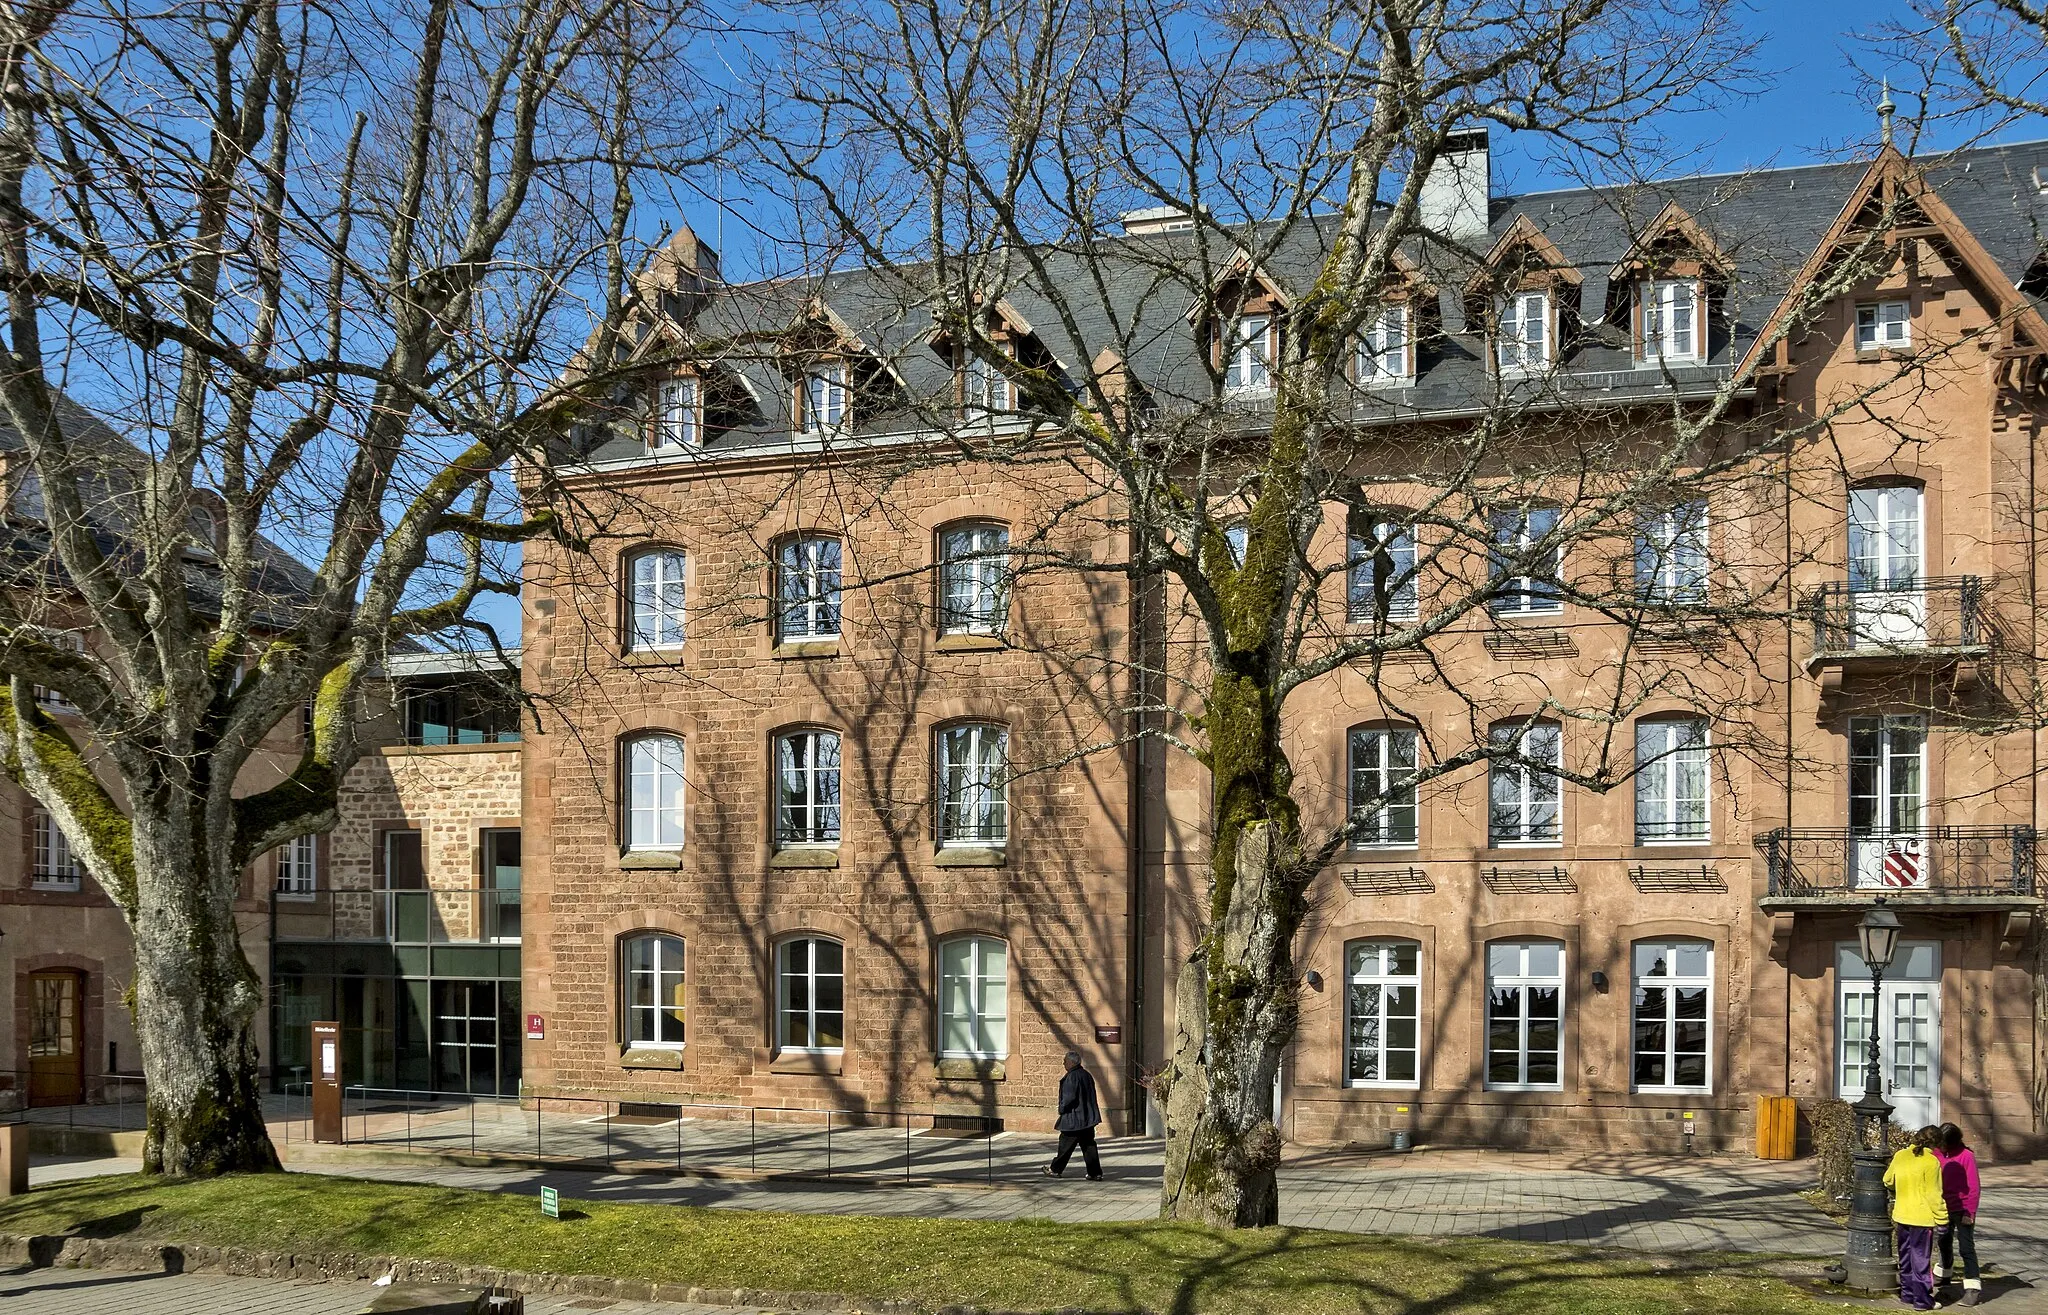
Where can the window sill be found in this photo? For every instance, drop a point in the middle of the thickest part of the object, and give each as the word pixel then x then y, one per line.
pixel 1551 1088
pixel 966 856
pixel 651 859
pixel 57 887
pixel 1671 1091
pixel 961 1069
pixel 655 1057
pixel 1374 853
pixel 811 1063
pixel 806 648
pixel 282 896
pixel 804 856
pixel 963 643
pixel 1521 846
pixel 1659 362
pixel 652 657
pixel 404 750
pixel 1361 1084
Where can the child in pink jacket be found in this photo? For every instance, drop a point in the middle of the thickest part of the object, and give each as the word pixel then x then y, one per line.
pixel 1960 1191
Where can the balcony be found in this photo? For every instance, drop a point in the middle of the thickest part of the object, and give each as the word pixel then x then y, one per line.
pixel 399 917
pixel 1988 868
pixel 1914 626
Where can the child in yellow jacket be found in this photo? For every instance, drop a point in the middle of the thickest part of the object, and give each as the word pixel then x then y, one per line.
pixel 1918 1209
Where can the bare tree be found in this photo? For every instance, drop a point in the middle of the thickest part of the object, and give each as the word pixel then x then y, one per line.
pixel 323 268
pixel 1298 167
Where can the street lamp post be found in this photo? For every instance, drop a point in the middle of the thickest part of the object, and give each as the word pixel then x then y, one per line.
pixel 1869 1260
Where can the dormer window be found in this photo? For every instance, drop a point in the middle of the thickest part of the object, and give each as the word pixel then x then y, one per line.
pixel 1383 349
pixel 1524 341
pixel 679 415
pixel 1247 356
pixel 1671 321
pixel 987 389
pixel 825 398
pixel 1884 326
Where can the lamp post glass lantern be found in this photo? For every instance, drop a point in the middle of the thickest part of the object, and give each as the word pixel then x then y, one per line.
pixel 1869 1259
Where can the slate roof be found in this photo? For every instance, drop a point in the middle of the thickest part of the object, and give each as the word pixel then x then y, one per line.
pixel 282 581
pixel 1767 223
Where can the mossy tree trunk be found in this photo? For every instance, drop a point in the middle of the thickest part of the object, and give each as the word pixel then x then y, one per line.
pixel 197 1004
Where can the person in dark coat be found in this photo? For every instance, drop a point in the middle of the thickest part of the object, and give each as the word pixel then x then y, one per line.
pixel 1076 1124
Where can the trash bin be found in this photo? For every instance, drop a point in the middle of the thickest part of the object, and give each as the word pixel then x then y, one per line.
pixel 1402 1139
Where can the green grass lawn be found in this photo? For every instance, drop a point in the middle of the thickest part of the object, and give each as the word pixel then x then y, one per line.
pixel 1028 1266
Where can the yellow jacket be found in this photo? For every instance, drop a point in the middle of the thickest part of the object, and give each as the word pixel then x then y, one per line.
pixel 1915 1181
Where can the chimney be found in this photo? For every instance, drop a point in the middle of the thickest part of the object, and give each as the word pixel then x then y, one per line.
pixel 1458 188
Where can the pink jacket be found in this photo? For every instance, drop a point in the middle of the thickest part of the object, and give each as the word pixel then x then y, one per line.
pixel 1959 1186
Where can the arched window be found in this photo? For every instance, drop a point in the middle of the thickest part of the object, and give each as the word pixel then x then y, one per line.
pixel 1382 786
pixel 1674 990
pixel 810 994
pixel 973 781
pixel 1382 1012
pixel 1671 781
pixel 1525 1015
pixel 974 998
pixel 807 587
pixel 807 788
pixel 653 975
pixel 654 792
pixel 1524 796
pixel 974 579
pixel 655 601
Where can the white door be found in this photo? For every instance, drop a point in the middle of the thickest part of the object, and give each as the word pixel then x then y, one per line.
pixel 1887 802
pixel 1910 1068
pixel 1890 605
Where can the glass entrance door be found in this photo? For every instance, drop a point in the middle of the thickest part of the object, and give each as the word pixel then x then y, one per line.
pixel 1910 1067
pixel 466 1037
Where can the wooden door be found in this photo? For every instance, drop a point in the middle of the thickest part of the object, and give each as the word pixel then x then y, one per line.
pixel 56 1053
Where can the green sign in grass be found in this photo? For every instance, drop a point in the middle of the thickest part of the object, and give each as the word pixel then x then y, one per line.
pixel 551 1203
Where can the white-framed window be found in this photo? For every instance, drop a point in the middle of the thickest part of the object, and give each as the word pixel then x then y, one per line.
pixel 1887 775
pixel 808 580
pixel 974 998
pixel 49 700
pixel 654 787
pixel 974 769
pixel 1383 348
pixel 1887 538
pixel 1884 325
pixel 1671 554
pixel 55 867
pixel 1382 1013
pixel 1525 577
pixel 656 1011
pixel 1247 355
pixel 825 398
pixel 655 602
pixel 1674 1011
pixel 298 867
pixel 1381 577
pixel 1524 795
pixel 1524 1016
pixel 1671 781
pixel 1383 787
pixel 974 579
pixel 987 388
pixel 679 416
pixel 1523 342
pixel 807 788
pixel 1671 321
pixel 810 994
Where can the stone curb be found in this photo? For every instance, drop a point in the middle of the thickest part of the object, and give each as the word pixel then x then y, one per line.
pixel 50 1251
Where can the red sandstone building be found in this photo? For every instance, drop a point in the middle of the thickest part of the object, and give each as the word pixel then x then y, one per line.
pixel 829 806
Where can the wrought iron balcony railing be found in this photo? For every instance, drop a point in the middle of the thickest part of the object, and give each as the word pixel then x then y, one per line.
pixel 399 917
pixel 1931 863
pixel 1943 617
